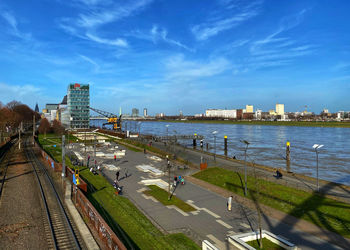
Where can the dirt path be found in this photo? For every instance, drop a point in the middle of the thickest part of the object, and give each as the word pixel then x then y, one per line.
pixel 21 220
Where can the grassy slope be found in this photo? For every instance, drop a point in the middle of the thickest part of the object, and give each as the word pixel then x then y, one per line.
pixel 162 196
pixel 140 230
pixel 324 212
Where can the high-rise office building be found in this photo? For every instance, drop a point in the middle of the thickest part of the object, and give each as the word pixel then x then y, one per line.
pixel 145 112
pixel 78 100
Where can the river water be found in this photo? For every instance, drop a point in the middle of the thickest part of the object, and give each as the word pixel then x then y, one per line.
pixel 268 144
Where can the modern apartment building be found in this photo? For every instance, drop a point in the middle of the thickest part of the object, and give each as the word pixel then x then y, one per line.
pixel 249 108
pixel 280 109
pixel 145 112
pixel 78 102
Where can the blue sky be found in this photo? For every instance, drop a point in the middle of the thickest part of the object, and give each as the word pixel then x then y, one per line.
pixel 186 55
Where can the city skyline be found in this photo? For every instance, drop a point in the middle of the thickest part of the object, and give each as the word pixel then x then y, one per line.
pixel 171 56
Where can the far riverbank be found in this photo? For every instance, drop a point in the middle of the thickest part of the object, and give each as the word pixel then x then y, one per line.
pixel 267 123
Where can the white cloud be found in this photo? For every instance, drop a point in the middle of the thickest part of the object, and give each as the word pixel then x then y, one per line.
pixel 114 42
pixel 212 28
pixel 12 21
pixel 89 60
pixel 96 18
pixel 157 34
pixel 19 91
pixel 178 67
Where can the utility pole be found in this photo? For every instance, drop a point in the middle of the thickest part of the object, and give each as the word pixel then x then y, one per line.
pixel 168 166
pixel 33 129
pixel 19 144
pixel 63 156
pixel 95 150
pixel 85 161
pixel 245 166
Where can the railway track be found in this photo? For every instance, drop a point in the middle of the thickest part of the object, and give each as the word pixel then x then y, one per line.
pixel 5 157
pixel 61 234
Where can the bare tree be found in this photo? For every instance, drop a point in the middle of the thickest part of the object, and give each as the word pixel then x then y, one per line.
pixel 44 126
pixel 57 127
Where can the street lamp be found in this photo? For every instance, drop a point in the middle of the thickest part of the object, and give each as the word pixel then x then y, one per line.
pixel 175 133
pixel 214 133
pixel 167 138
pixel 316 147
pixel 245 165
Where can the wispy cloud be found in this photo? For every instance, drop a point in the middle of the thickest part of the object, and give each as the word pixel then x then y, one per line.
pixel 119 11
pixel 156 35
pixel 96 13
pixel 92 62
pixel 276 50
pixel 219 24
pixel 119 42
pixel 178 67
pixel 341 66
pixel 12 22
pixel 18 90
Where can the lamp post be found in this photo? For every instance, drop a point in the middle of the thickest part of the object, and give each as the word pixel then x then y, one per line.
pixel 245 165
pixel 316 147
pixel 167 136
pixel 214 133
pixel 175 133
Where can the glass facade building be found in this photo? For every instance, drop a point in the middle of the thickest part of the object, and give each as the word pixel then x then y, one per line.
pixel 78 102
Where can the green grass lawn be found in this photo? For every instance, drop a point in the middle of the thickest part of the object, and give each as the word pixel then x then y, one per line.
pixel 323 212
pixel 267 245
pixel 162 196
pixel 123 217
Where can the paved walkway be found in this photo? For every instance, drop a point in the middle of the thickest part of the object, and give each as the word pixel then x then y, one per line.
pixel 211 220
pixel 333 190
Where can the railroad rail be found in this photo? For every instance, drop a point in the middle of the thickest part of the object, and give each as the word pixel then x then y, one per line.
pixel 6 152
pixel 61 232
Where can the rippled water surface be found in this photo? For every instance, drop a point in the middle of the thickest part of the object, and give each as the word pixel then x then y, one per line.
pixel 267 144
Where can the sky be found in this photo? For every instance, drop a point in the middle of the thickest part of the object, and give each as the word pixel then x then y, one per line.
pixel 186 55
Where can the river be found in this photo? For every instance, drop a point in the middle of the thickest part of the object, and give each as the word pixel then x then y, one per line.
pixel 268 144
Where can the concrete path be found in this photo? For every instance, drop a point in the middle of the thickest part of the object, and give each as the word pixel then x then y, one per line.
pixel 211 220
pixel 298 181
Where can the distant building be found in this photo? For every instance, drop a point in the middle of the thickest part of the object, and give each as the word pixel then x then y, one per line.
pixel 280 109
pixel 145 112
pixel 249 109
pixel 135 112
pixel 181 114
pixel 221 113
pixel 36 108
pixel 51 106
pixel 325 111
pixel 272 112
pixel 160 115
pixel 258 114
pixel 78 102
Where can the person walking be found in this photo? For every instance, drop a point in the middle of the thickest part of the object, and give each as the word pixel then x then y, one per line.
pixel 115 158
pixel 117 175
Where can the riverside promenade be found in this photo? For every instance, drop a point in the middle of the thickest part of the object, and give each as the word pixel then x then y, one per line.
pixel 302 182
pixel 211 220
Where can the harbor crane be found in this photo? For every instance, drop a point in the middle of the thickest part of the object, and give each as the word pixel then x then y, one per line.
pixel 112 119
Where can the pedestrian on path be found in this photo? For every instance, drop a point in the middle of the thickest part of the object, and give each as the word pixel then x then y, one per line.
pixel 229 203
pixel 175 181
pixel 115 158
pixel 182 180
pixel 117 175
